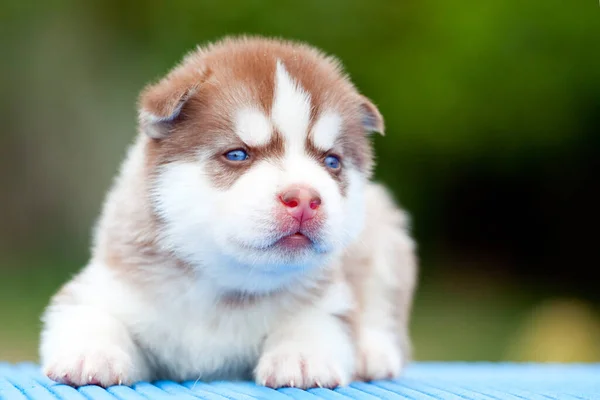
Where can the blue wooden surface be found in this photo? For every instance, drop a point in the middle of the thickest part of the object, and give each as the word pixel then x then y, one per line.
pixel 456 381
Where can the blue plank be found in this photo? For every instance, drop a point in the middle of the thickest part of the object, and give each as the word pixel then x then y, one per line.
pixel 421 381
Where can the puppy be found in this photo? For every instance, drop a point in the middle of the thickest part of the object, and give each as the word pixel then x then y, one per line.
pixel 242 237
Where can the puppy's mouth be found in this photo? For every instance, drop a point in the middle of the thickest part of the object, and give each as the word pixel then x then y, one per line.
pixel 290 243
pixel 295 241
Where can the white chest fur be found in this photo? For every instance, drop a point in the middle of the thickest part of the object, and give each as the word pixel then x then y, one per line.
pixel 180 326
pixel 220 341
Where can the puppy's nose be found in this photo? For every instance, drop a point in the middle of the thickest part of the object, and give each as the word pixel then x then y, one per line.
pixel 301 203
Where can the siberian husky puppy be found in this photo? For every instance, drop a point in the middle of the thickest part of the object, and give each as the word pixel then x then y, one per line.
pixel 243 237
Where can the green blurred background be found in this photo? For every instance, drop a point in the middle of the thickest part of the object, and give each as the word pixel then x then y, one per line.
pixel 493 116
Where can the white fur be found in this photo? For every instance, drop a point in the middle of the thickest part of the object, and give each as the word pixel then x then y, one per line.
pixel 291 109
pixel 243 225
pixel 182 328
pixel 379 355
pixel 231 252
pixel 186 336
pixel 152 318
pixel 90 342
pixel 253 127
pixel 382 338
pixel 326 130
pixel 311 349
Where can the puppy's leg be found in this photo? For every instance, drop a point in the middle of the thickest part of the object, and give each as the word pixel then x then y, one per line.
pixel 312 349
pixel 383 343
pixel 83 343
pixel 382 273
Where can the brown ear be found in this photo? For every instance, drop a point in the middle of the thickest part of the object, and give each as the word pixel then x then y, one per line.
pixel 160 104
pixel 372 119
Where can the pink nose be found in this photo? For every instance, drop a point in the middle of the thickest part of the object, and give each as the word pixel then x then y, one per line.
pixel 301 203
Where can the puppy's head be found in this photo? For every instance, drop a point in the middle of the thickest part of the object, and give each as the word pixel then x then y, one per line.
pixel 257 160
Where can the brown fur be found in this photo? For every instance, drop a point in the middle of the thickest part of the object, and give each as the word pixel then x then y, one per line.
pixel 188 115
pixel 387 231
pixel 233 73
pixel 207 85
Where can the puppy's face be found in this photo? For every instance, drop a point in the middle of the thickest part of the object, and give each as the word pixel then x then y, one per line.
pixel 258 160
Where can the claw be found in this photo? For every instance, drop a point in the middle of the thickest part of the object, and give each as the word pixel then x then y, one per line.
pixel 319 384
pixel 90 378
pixel 291 383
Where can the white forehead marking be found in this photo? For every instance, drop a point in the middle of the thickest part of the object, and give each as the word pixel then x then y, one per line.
pixel 253 127
pixel 326 130
pixel 291 108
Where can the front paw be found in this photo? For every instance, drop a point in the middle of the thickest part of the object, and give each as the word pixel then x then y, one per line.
pixel 379 357
pixel 301 368
pixel 104 366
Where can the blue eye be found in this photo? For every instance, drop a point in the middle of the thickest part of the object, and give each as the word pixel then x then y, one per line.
pixel 237 155
pixel 332 162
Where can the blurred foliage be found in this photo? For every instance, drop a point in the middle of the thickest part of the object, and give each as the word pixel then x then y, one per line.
pixel 559 330
pixel 509 90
